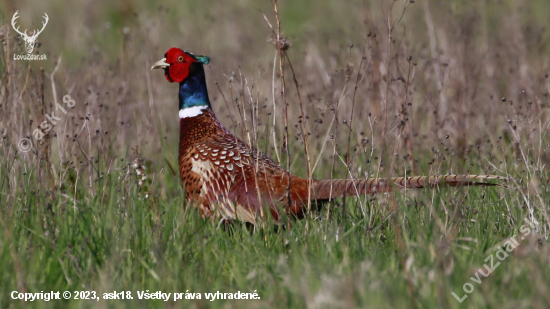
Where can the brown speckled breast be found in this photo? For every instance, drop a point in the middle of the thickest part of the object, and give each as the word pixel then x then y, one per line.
pixel 226 178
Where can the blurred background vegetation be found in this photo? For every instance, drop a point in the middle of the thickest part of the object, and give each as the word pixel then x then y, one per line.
pixel 467 55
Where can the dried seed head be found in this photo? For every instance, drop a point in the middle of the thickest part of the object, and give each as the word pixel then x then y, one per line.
pixel 283 43
pixel 348 70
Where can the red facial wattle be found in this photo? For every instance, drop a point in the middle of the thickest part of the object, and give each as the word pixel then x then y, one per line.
pixel 179 62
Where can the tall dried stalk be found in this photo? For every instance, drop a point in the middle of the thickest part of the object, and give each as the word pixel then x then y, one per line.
pixel 350 123
pixel 283 95
pixel 304 133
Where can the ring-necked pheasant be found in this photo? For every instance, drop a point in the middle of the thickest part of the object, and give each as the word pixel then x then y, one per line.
pixel 226 178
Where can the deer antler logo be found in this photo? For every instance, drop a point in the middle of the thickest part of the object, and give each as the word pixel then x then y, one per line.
pixel 30 41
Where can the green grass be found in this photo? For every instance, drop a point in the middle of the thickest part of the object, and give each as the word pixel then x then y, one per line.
pixel 105 245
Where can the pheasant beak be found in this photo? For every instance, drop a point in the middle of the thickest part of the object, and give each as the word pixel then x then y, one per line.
pixel 161 64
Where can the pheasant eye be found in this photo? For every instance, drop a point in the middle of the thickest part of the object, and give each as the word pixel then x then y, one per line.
pixel 180 59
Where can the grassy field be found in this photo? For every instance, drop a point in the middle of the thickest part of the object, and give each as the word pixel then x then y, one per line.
pixel 421 88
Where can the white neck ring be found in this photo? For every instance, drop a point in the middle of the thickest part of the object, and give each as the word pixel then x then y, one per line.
pixel 192 111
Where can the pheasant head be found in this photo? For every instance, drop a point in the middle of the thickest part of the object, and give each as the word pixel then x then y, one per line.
pixel 186 69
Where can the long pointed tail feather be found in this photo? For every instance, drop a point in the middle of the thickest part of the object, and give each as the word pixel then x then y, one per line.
pixel 331 188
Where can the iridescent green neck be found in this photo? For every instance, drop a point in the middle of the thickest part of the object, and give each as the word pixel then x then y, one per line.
pixel 193 91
